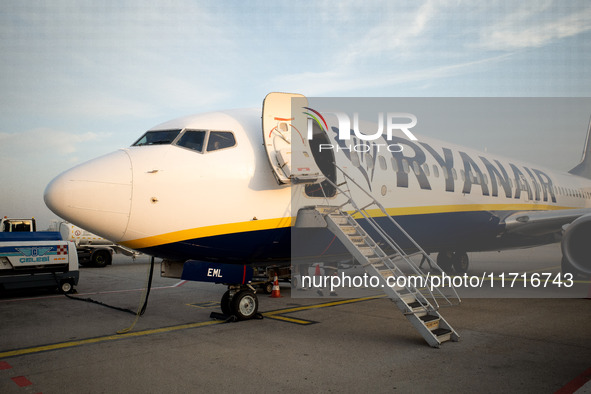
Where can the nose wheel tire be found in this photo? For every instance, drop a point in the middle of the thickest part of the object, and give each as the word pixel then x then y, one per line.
pixel 245 305
pixel 226 303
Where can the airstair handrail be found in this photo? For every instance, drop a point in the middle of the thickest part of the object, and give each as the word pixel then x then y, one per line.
pixel 387 238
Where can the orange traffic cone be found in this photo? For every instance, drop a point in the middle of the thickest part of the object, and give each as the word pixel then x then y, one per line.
pixel 275 293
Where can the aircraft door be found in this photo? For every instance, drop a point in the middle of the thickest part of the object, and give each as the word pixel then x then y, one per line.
pixel 285 139
pixel 325 159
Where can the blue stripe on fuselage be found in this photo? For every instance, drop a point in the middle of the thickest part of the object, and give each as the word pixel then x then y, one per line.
pixel 455 231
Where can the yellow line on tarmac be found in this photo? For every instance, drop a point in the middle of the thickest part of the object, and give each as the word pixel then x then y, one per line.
pixel 63 345
pixel 278 314
pixel 324 305
pixel 289 319
pixel 272 314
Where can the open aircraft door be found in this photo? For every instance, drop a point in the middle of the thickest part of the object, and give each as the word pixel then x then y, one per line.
pixel 285 136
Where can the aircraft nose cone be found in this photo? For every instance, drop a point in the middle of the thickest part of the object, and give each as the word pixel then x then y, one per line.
pixel 95 195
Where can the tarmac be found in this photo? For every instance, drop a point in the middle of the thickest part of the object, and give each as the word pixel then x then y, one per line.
pixel 53 344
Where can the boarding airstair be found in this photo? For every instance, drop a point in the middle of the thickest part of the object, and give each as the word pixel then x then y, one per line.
pixel 383 257
pixel 379 253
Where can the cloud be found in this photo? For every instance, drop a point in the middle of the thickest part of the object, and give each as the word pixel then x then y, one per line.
pixel 414 45
pixel 330 82
pixel 83 59
pixel 531 27
pixel 32 143
pixel 397 36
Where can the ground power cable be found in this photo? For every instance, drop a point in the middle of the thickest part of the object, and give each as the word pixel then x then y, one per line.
pixel 140 311
pixel 99 303
pixel 146 294
pixel 90 300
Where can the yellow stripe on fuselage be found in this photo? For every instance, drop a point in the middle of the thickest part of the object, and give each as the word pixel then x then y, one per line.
pixel 269 224
pixel 461 208
pixel 208 231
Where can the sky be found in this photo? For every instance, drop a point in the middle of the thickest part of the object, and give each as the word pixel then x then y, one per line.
pixel 82 78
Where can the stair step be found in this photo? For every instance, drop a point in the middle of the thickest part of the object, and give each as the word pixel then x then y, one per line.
pixel 339 219
pixel 386 273
pixel 349 230
pixel 366 251
pixel 442 334
pixel 372 261
pixel 406 293
pixel 408 298
pixel 420 311
pixel 416 304
pixel 430 321
pixel 429 318
pixel 441 331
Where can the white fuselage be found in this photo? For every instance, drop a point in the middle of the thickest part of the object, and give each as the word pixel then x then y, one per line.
pixel 174 202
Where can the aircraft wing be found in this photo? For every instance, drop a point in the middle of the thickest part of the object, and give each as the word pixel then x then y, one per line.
pixel 534 223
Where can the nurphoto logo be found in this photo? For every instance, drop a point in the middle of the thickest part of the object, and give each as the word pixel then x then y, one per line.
pixel 393 121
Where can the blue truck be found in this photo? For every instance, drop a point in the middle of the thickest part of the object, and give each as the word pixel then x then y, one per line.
pixel 30 258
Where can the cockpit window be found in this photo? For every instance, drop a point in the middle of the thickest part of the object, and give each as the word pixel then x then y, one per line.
pixel 157 137
pixel 220 140
pixel 195 140
pixel 192 139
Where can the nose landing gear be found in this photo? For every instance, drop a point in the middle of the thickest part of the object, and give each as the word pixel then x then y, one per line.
pixel 239 302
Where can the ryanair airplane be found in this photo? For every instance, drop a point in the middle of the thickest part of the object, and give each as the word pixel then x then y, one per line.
pixel 219 188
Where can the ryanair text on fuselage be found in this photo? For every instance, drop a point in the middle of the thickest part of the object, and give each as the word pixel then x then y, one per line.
pixel 410 158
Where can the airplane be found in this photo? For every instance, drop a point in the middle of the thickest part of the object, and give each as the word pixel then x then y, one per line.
pixel 220 188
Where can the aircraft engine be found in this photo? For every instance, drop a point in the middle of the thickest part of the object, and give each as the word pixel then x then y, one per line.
pixel 576 245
